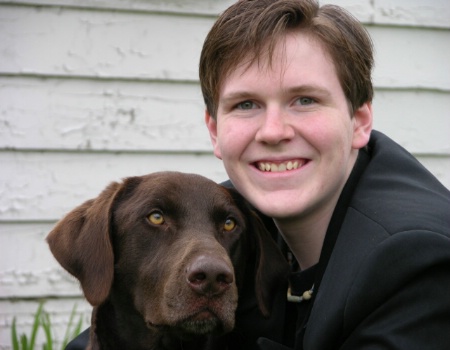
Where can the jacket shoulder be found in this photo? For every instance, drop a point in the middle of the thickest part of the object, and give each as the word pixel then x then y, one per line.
pixel 398 193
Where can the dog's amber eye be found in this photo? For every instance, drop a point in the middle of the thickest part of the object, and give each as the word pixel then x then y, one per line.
pixel 229 224
pixel 156 218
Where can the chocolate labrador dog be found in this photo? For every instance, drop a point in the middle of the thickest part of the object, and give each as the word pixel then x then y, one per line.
pixel 164 259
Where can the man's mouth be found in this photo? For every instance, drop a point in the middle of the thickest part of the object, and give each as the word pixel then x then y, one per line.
pixel 267 166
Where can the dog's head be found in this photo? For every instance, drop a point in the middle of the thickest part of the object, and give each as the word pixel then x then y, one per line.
pixel 152 242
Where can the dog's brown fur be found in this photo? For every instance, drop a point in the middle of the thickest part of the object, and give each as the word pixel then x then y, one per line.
pixel 154 286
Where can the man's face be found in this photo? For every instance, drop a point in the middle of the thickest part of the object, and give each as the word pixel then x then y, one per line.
pixel 285 133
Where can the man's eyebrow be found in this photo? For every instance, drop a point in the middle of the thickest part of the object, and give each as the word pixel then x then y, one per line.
pixel 309 89
pixel 237 95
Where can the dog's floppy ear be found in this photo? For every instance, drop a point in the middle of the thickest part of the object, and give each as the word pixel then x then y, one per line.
pixel 81 243
pixel 270 266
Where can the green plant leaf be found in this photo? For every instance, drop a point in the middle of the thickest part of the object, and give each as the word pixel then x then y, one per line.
pixel 71 330
pixel 14 338
pixel 24 342
pixel 47 326
pixel 42 319
pixel 37 318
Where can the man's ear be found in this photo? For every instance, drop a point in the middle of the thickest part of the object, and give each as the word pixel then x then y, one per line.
pixel 362 125
pixel 211 124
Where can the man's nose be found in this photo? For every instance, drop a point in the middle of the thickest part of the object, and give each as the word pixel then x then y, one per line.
pixel 275 127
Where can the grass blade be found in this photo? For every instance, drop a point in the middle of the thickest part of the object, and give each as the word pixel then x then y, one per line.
pixel 24 342
pixel 47 326
pixel 14 338
pixel 43 319
pixel 37 319
pixel 71 330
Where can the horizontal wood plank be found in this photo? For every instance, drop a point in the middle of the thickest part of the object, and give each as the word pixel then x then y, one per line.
pixel 146 46
pixel 406 117
pixel 175 7
pixel 431 13
pixel 36 274
pixel 411 58
pixel 72 42
pixel 97 115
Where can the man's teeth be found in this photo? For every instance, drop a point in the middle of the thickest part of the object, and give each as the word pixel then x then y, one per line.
pixel 266 166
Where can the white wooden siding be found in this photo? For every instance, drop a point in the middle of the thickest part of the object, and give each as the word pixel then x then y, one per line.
pixel 92 91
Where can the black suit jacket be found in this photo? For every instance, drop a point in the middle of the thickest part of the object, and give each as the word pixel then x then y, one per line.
pixel 387 283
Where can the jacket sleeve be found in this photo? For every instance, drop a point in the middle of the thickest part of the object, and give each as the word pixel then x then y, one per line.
pixel 266 344
pixel 80 342
pixel 400 298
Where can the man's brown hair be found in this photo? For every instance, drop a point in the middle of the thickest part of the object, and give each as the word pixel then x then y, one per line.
pixel 250 29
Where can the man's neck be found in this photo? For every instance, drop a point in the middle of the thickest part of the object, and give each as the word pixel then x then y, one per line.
pixel 305 237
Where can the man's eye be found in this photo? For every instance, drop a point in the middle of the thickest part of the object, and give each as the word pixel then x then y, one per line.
pixel 245 105
pixel 305 101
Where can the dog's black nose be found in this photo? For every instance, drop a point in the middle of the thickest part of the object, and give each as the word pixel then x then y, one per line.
pixel 208 275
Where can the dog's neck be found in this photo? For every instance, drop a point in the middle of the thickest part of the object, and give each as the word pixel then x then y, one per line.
pixel 117 329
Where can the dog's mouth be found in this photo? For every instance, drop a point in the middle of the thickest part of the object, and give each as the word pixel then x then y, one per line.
pixel 202 322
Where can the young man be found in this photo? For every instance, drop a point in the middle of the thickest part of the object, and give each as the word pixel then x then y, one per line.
pixel 288 91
